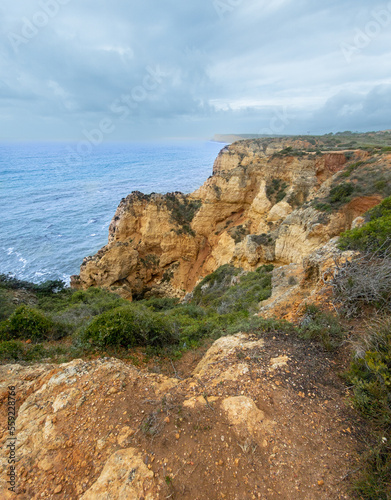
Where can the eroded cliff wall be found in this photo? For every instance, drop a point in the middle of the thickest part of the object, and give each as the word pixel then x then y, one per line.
pixel 256 208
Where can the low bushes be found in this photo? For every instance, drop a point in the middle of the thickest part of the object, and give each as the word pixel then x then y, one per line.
pixel 28 323
pixel 45 288
pixel 7 307
pixel 364 280
pixel 374 235
pixel 129 326
pixel 95 300
pixel 370 377
pixel 321 326
pixel 361 282
pixel 12 351
pixel 228 289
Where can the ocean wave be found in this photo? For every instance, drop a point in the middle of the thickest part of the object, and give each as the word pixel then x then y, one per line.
pixel 23 261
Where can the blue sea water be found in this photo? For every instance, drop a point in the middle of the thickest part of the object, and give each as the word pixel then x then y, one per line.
pixel 55 211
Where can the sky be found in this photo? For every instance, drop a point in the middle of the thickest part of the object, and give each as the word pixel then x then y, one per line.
pixel 162 69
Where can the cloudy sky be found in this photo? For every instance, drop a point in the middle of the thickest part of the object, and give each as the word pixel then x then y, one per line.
pixel 165 68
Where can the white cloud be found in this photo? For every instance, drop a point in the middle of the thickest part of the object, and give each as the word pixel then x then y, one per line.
pixel 222 74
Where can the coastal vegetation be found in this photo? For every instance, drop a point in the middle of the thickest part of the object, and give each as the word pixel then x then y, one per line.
pixel 50 322
pixel 59 323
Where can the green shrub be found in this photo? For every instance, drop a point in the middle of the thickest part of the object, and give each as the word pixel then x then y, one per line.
pixel 370 373
pixel 323 207
pixel 351 168
pixel 374 235
pixel 129 326
pixel 276 188
pixel 11 351
pixel 374 480
pixel 259 325
pixel 223 294
pixel 46 288
pixel 370 376
pixel 321 326
pixel 342 193
pixel 99 300
pixel 14 350
pixel 160 304
pixel 7 307
pixel 28 323
pixel 214 285
pixel 253 287
pixel 183 211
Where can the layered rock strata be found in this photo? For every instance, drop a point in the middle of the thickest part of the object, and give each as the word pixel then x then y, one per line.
pixel 254 209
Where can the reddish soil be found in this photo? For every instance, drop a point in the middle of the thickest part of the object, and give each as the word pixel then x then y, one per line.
pixel 312 454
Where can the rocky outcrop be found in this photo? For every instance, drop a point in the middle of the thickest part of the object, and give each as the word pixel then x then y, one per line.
pixel 253 416
pixel 254 209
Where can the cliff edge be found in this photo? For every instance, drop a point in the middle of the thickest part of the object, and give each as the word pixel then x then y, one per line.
pixel 268 201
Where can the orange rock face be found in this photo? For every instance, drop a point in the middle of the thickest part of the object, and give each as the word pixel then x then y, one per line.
pixel 254 209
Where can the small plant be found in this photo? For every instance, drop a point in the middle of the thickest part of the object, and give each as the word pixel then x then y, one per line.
pixel 183 211
pixel 150 261
pixel 341 194
pixel 151 426
pixel 276 190
pixel 351 168
pixel 321 326
pixel 238 233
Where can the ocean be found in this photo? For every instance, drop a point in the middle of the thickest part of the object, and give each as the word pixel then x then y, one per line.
pixel 56 210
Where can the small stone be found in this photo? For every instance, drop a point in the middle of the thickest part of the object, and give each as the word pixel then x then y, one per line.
pixel 45 465
pixel 320 483
pixel 177 436
pixel 58 489
pixel 167 420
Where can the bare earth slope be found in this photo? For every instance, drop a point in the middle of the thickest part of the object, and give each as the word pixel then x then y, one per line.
pixel 256 418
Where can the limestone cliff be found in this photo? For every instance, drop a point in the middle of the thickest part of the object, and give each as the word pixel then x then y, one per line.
pixel 259 206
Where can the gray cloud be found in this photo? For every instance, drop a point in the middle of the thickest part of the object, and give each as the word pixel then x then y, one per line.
pixel 222 66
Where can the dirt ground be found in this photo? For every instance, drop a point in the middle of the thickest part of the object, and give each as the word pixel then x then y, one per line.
pixel 194 450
